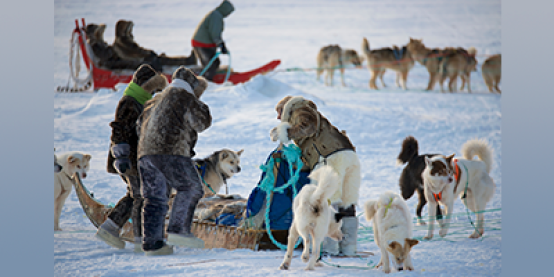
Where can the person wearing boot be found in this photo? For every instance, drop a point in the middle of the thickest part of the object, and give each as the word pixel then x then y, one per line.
pixel 322 143
pixel 169 127
pixel 122 156
pixel 207 37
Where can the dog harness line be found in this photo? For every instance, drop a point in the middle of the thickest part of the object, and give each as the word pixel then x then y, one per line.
pixel 203 170
pixel 387 207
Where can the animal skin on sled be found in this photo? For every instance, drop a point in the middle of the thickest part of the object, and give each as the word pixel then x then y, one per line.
pixel 214 236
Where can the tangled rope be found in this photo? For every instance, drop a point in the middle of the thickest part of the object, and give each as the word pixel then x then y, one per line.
pixel 75 57
pixel 292 155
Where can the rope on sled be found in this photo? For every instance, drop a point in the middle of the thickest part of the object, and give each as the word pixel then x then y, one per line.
pixel 74 55
pixel 292 155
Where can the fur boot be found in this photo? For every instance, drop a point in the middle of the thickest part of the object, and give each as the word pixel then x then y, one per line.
pixel 350 230
pixel 109 233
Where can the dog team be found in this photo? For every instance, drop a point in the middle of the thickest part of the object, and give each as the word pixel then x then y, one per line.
pixel 155 163
pixel 442 64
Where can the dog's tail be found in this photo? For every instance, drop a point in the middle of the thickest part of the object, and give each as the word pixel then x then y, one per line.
pixel 409 150
pixel 327 183
pixel 370 208
pixel 365 46
pixel 480 148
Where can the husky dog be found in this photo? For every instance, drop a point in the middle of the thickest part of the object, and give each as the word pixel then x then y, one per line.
pixel 72 163
pixel 314 217
pixel 333 57
pixel 432 60
pixel 57 166
pixel 392 227
pixel 410 179
pixel 444 178
pixel 378 60
pixel 491 70
pixel 454 62
pixel 215 169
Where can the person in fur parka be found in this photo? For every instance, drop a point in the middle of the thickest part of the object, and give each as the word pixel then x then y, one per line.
pixel 169 128
pixel 122 156
pixel 127 49
pixel 104 55
pixel 322 143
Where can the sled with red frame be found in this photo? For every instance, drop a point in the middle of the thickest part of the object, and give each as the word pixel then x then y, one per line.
pixel 106 78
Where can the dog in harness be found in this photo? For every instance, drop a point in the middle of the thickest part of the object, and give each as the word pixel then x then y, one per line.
pixel 379 60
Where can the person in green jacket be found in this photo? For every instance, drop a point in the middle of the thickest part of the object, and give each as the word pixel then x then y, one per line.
pixel 207 37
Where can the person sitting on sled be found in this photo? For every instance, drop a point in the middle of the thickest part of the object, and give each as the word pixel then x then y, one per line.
pixel 122 156
pixel 207 37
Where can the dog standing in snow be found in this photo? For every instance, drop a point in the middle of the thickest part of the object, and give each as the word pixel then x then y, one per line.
pixel 314 217
pixel 71 162
pixel 444 178
pixel 392 227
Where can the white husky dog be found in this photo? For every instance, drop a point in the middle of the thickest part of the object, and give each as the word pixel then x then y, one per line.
pixel 444 178
pixel 314 217
pixel 71 163
pixel 392 227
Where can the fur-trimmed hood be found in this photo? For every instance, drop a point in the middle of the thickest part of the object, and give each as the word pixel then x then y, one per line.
pixel 172 119
pixel 310 130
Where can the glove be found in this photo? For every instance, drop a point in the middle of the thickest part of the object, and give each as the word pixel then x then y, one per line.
pixel 122 164
pixel 121 154
pixel 223 48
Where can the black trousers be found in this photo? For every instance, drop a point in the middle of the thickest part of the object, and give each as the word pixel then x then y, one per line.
pixel 205 54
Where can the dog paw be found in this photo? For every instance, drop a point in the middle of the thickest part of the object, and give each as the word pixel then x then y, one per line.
pixel 318 264
pixel 428 237
pixel 305 258
pixel 443 232
pixel 386 270
pixel 421 223
pixel 408 268
pixel 475 235
pixel 309 268
pixel 284 266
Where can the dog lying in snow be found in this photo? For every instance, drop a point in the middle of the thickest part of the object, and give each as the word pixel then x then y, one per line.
pixel 71 162
pixel 392 227
pixel 444 178
pixel 314 217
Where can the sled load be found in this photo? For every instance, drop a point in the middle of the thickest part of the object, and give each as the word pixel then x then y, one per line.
pixel 114 65
pixel 230 221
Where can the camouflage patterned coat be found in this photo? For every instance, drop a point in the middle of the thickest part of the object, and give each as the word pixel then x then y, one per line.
pixel 309 128
pixel 170 123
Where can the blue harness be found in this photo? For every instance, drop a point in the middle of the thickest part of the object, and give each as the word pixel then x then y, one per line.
pixel 398 53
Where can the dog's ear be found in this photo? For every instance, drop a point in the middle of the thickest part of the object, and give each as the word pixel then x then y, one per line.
pixel 240 152
pixel 427 161
pixel 223 155
pixel 72 159
pixel 394 245
pixel 411 242
pixel 449 159
pixel 86 157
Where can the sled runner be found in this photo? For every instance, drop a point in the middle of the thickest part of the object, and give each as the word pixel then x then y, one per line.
pixel 213 235
pixel 105 78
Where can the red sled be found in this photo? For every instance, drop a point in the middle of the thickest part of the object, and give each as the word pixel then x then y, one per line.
pixel 104 78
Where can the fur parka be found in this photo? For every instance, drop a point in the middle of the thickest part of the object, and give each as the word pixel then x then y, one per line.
pixel 104 54
pixel 310 130
pixel 126 47
pixel 171 121
pixel 128 111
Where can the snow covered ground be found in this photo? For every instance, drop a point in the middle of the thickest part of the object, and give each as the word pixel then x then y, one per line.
pixel 375 121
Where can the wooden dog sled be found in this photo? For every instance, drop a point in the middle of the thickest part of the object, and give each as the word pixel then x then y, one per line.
pixel 213 235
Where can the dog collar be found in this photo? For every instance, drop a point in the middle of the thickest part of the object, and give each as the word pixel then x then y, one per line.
pixel 437 196
pixel 387 207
